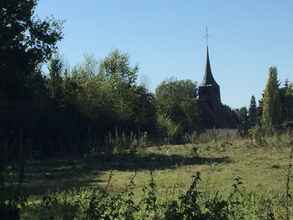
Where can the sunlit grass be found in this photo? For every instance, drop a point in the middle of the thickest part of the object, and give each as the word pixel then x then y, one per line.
pixel 261 168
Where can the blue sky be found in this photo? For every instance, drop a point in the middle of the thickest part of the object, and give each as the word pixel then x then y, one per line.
pixel 166 38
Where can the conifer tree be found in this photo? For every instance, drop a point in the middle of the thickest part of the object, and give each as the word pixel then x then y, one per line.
pixel 244 121
pixel 271 106
pixel 286 96
pixel 252 114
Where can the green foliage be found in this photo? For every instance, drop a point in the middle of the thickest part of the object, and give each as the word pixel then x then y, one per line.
pixel 189 207
pixel 81 109
pixel 56 81
pixel 172 131
pixel 149 207
pixel 200 200
pixel 257 135
pixel 177 108
pixel 98 108
pixel 252 113
pixel 271 106
pixel 244 121
pixel 58 207
pixel 25 42
pixel 116 67
pixel 266 209
pixel 193 204
pixel 286 96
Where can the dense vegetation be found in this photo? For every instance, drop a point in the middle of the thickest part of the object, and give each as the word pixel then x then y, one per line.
pixel 157 182
pixel 192 204
pixel 99 108
pixel 84 108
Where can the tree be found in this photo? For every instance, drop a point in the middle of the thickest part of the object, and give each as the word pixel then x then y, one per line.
pixel 116 67
pixel 244 121
pixel 109 100
pixel 26 42
pixel 286 96
pixel 178 107
pixel 271 105
pixel 116 70
pixel 55 83
pixel 252 112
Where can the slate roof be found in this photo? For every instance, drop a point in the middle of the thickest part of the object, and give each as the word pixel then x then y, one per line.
pixel 208 79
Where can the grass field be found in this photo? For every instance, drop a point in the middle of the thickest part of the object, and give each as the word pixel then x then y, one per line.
pixel 262 169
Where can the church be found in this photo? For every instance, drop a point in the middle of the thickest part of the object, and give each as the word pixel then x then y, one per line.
pixel 213 113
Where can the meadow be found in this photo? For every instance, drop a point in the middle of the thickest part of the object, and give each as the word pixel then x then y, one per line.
pixel 163 174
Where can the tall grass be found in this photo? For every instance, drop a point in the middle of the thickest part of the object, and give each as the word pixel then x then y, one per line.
pixel 194 203
pixel 191 204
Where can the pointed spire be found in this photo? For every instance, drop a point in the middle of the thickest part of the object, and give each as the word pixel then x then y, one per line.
pixel 208 77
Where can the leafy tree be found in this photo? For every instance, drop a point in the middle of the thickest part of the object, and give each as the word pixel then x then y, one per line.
pixel 55 83
pixel 116 67
pixel 25 43
pixel 252 112
pixel 143 105
pixel 271 105
pixel 134 105
pixel 177 102
pixel 109 104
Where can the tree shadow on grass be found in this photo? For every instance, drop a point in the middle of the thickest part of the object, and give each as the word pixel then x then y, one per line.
pixel 152 161
pixel 57 175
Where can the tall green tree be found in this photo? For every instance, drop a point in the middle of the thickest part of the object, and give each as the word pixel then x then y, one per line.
pixel 109 99
pixel 252 112
pixel 117 70
pixel 271 105
pixel 244 121
pixel 286 96
pixel 116 67
pixel 26 42
pixel 55 83
pixel 177 107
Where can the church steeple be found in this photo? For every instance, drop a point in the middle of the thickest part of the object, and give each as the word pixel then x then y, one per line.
pixel 209 90
pixel 213 113
pixel 208 76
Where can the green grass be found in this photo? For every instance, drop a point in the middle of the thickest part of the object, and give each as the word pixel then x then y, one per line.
pixel 262 169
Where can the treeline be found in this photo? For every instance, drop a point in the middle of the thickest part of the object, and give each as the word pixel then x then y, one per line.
pixel 89 107
pixel 274 110
pixel 97 105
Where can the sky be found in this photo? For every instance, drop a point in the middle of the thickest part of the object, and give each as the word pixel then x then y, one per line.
pixel 166 39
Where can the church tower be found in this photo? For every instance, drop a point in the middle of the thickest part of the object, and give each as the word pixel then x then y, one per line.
pixel 213 113
pixel 209 90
